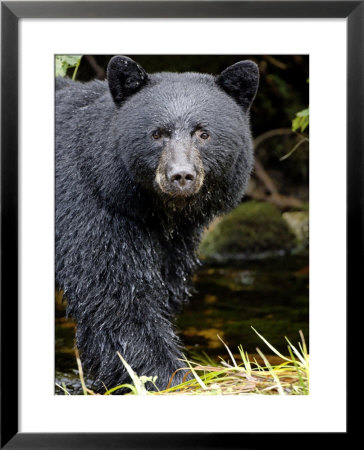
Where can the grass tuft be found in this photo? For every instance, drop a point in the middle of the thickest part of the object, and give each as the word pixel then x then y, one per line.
pixel 290 377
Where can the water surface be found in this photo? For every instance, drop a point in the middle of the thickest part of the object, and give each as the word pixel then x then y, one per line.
pixel 270 295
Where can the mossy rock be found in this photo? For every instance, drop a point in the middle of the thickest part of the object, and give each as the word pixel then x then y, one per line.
pixel 298 222
pixel 253 229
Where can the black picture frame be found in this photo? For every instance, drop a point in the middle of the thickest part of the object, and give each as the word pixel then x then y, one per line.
pixel 11 12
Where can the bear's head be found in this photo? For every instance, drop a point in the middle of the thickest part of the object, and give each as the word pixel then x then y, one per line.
pixel 184 134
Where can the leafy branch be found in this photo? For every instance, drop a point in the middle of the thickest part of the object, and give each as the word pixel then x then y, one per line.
pixel 65 62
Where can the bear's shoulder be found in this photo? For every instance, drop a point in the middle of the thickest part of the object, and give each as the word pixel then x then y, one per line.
pixel 79 94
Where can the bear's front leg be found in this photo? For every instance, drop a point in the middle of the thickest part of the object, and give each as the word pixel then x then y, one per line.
pixel 146 341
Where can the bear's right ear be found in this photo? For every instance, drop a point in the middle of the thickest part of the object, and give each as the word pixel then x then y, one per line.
pixel 125 78
pixel 241 82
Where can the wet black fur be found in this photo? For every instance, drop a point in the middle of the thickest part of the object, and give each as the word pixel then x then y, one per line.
pixel 125 251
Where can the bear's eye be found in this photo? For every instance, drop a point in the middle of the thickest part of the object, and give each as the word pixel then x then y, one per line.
pixel 157 134
pixel 203 135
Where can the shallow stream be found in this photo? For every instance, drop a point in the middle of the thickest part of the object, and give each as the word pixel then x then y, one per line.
pixel 270 295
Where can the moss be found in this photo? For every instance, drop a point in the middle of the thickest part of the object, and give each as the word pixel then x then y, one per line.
pixel 253 227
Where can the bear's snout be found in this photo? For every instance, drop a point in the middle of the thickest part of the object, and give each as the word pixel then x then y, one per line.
pixel 180 171
pixel 182 178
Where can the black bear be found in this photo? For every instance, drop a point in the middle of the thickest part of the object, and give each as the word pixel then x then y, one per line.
pixel 143 164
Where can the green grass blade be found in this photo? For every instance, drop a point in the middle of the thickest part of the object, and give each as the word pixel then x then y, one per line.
pixel 139 386
pixel 227 348
pixel 270 346
pixel 246 362
pixel 126 385
pixel 63 387
pixel 79 365
pixel 298 371
pixel 200 382
pixel 298 354
pixel 305 352
pixel 271 371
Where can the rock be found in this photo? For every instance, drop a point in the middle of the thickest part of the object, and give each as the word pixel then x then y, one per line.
pixel 253 230
pixel 298 222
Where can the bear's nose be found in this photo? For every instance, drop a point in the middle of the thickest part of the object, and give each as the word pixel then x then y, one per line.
pixel 182 178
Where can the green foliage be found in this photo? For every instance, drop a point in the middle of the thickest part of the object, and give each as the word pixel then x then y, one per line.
pixel 65 62
pixel 301 121
pixel 279 86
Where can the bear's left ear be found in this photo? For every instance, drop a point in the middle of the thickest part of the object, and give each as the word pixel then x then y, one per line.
pixel 241 82
pixel 125 78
